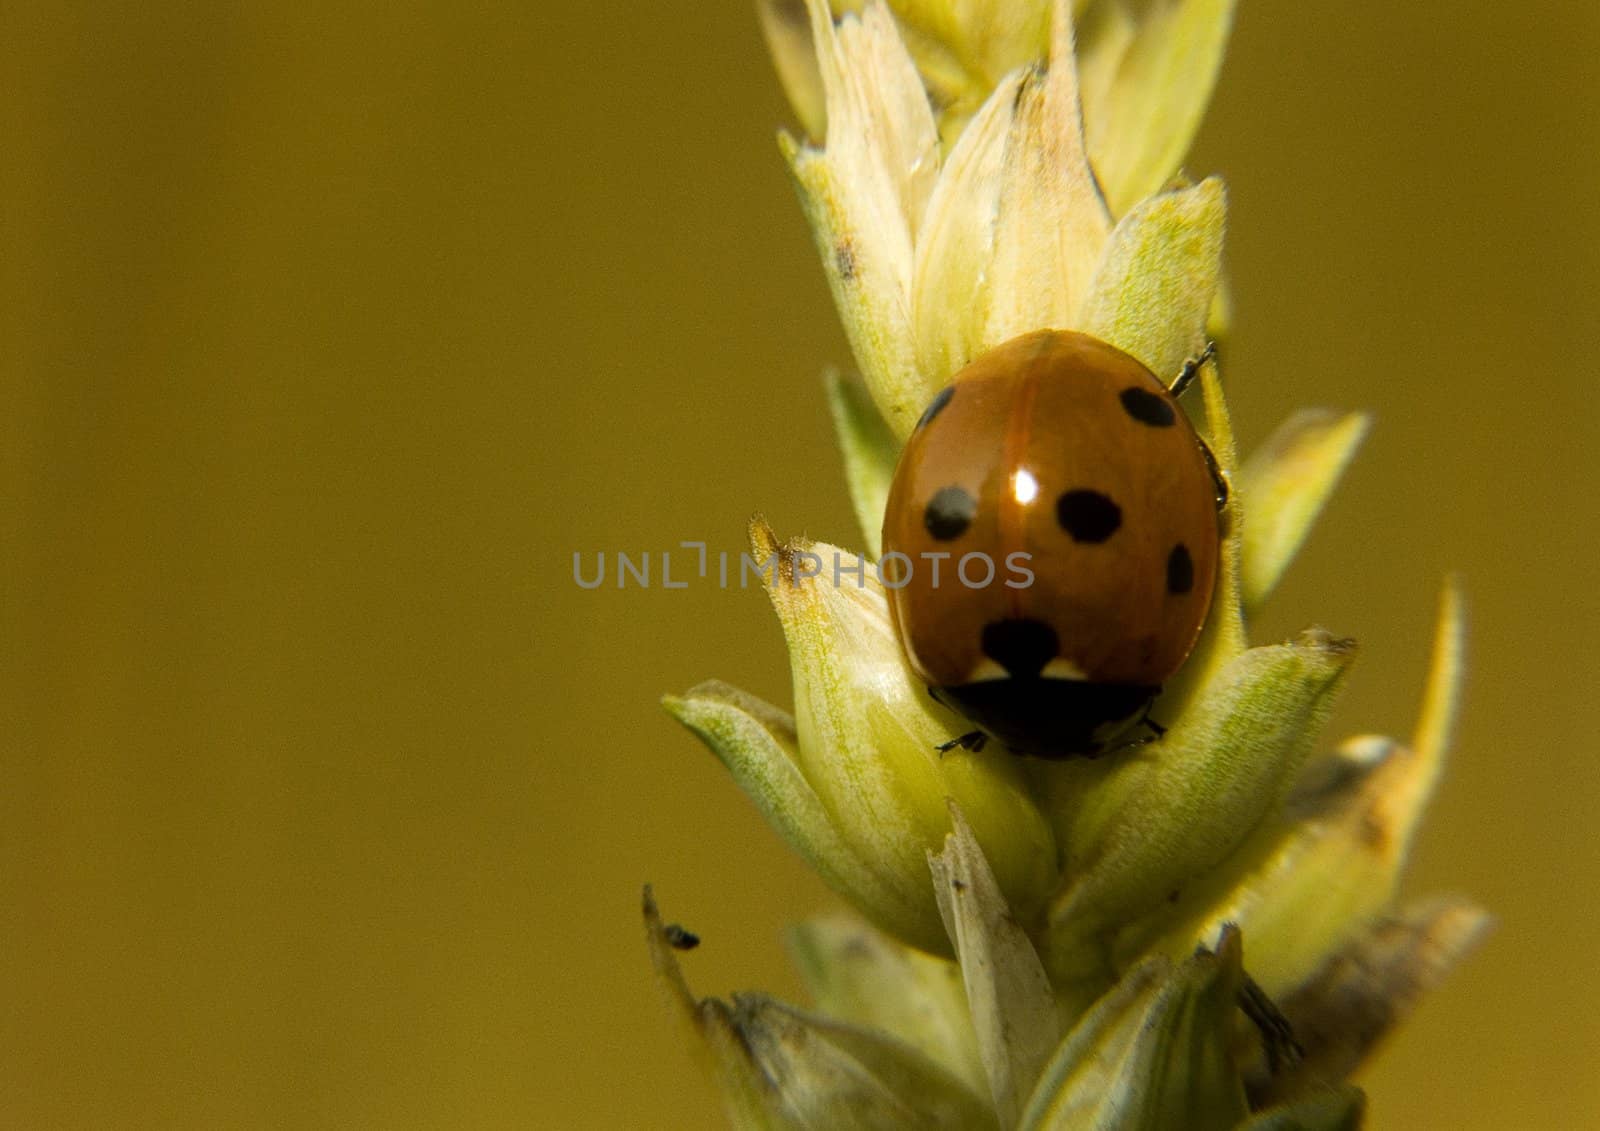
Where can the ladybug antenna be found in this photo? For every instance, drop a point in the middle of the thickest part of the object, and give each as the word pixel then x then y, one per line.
pixel 1191 369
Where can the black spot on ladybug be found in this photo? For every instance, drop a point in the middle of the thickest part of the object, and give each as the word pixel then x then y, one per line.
pixel 1087 515
pixel 936 406
pixel 949 513
pixel 844 260
pixel 1148 408
pixel 1180 570
pixel 1023 647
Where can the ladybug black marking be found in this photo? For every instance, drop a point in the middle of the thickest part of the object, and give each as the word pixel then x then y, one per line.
pixel 1088 516
pixel 949 513
pixel 1022 646
pixel 1148 408
pixel 935 406
pixel 1180 570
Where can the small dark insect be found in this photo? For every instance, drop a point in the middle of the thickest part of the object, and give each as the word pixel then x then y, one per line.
pixel 679 938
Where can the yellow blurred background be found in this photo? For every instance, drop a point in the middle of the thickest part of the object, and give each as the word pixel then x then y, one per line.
pixel 327 334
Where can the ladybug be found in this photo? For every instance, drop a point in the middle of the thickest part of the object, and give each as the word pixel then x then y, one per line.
pixel 1051 542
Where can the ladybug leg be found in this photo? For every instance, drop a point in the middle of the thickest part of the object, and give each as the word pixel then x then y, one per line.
pixel 1156 729
pixel 973 740
pixel 1185 378
pixel 1217 478
pixel 1134 742
pixel 1191 369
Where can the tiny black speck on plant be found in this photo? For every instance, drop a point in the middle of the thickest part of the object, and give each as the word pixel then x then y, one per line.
pixel 679 938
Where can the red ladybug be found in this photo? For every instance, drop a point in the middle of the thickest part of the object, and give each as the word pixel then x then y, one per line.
pixel 1051 543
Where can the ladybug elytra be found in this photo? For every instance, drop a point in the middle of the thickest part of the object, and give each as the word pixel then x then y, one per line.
pixel 1063 449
